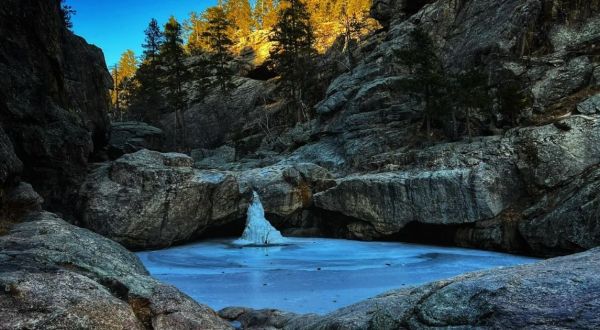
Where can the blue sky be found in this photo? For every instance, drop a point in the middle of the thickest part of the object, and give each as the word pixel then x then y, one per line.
pixel 116 26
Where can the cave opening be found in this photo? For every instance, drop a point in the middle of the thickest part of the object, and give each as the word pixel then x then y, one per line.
pixel 262 72
pixel 429 234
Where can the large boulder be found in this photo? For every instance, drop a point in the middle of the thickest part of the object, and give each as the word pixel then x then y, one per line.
pixel 566 219
pixel 558 293
pixel 53 98
pixel 387 202
pixel 553 154
pixel 151 200
pixel 58 276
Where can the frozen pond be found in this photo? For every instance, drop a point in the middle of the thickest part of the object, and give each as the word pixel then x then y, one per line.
pixel 309 275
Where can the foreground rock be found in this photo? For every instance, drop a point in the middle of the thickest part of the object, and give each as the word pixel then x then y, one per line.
pixel 57 276
pixel 152 200
pixel 559 293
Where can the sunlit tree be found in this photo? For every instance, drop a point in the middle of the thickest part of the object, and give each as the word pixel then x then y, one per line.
pixel 239 14
pixel 265 14
pixel 294 52
pixel 147 98
pixel 219 44
pixel 124 83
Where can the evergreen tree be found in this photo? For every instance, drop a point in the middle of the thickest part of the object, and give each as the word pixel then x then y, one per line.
pixel 219 45
pixel 265 14
pixel 427 80
pixel 147 98
pixel 352 27
pixel 153 42
pixel 67 13
pixel 176 74
pixel 195 28
pixel 124 83
pixel 293 53
pixel 469 91
pixel 239 13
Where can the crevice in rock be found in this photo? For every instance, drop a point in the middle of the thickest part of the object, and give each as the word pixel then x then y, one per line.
pixel 262 72
pixel 230 229
pixel 423 233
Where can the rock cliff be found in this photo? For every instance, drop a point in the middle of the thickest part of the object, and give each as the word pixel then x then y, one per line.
pixel 53 101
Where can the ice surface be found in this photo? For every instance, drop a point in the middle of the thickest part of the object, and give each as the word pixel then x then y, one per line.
pixel 258 230
pixel 309 275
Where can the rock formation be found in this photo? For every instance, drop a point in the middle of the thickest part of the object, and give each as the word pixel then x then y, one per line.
pixel 58 276
pixel 151 200
pixel 53 106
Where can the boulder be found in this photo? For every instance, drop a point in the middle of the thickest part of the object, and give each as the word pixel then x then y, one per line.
pixel 58 276
pixel 129 137
pixel 388 201
pixel 558 293
pixel 18 201
pixel 213 158
pixel 553 154
pixel 590 106
pixel 562 81
pixel 151 200
pixel 566 219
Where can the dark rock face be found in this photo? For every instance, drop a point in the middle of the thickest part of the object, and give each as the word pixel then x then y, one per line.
pixel 11 165
pixel 58 276
pixel 558 293
pixel 52 98
pixel 129 137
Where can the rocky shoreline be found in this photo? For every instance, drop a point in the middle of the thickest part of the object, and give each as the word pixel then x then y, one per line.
pixel 360 170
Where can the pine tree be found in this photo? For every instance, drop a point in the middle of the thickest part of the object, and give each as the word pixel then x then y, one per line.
pixel 147 98
pixel 265 14
pixel 124 82
pixel 67 13
pixel 469 91
pixel 176 74
pixel 153 42
pixel 219 46
pixel 239 13
pixel 427 80
pixel 294 52
pixel 195 27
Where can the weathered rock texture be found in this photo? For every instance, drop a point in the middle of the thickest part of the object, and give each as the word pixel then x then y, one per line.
pixel 559 293
pixel 149 200
pixel 58 276
pixel 53 100
pixel 129 137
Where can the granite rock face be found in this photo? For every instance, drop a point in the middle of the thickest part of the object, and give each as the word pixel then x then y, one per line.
pixel 389 201
pixel 151 200
pixel 53 99
pixel 129 137
pixel 557 293
pixel 58 276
